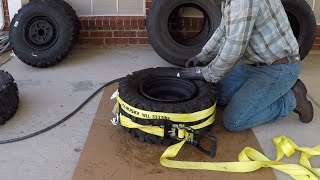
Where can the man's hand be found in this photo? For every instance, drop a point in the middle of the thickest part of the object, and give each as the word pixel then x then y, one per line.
pixel 193 62
pixel 193 73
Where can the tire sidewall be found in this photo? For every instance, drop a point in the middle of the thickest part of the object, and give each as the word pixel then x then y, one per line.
pixel 22 48
pixel 129 93
pixel 160 37
pixel 129 90
pixel 9 98
pixel 307 23
pixel 65 28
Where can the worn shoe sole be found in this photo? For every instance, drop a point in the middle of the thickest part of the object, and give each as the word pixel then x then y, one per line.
pixel 303 117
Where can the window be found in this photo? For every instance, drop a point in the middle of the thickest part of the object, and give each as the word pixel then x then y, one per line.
pixel 108 7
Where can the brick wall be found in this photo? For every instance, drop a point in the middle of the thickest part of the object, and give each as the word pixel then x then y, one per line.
pixel 105 30
pixel 316 45
pixel 113 30
pixel 6 15
pixel 182 28
pixel 108 30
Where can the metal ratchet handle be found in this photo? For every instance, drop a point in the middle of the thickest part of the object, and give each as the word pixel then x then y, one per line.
pixel 213 146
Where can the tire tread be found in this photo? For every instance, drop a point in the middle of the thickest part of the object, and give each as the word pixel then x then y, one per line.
pixel 9 99
pixel 73 26
pixel 129 93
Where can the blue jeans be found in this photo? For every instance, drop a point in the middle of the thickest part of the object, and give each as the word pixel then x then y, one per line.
pixel 257 95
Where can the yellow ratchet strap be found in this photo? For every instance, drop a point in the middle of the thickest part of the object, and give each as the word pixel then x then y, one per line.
pixel 249 158
pixel 158 131
pixel 181 118
pixel 252 160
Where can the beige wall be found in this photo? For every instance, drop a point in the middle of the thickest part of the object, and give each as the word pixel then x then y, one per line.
pixel 317 10
pixel 108 7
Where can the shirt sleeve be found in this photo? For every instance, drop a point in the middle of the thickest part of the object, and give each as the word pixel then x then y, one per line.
pixel 211 49
pixel 240 19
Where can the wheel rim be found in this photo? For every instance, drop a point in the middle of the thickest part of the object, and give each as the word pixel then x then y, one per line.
pixel 166 89
pixel 41 32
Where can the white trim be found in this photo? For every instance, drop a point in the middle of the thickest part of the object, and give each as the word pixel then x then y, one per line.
pixel 117 1
pixel 93 15
pixel 92 8
pixel 144 7
pixel 144 12
pixel 313 5
pixel 14 6
pixel 2 23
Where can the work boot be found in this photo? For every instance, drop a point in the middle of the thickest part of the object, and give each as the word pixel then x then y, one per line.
pixel 304 106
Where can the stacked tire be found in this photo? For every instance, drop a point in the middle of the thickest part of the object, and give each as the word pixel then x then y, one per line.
pixel 300 15
pixel 43 32
pixel 303 23
pixel 9 98
pixel 165 93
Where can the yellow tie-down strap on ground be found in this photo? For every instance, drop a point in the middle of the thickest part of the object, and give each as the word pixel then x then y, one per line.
pixel 249 159
pixel 252 160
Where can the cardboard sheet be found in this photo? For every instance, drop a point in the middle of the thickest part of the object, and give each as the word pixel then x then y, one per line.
pixel 110 153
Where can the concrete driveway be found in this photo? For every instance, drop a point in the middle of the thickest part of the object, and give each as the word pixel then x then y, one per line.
pixel 47 95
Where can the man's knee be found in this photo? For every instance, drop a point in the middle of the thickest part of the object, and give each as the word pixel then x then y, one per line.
pixel 224 94
pixel 223 101
pixel 232 122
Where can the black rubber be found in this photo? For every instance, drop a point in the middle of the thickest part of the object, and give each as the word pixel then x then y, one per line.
pixel 129 91
pixel 9 98
pixel 43 32
pixel 174 52
pixel 300 14
pixel 303 23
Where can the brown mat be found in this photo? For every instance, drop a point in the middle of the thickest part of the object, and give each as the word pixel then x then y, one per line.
pixel 111 154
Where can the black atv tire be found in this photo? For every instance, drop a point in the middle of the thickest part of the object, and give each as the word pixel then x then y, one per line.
pixel 157 25
pixel 130 92
pixel 9 98
pixel 303 24
pixel 43 32
pixel 300 15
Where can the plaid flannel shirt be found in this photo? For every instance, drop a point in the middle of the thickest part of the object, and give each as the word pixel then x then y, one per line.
pixel 250 30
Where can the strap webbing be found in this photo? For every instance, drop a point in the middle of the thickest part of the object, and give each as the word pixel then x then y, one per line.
pixel 249 158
